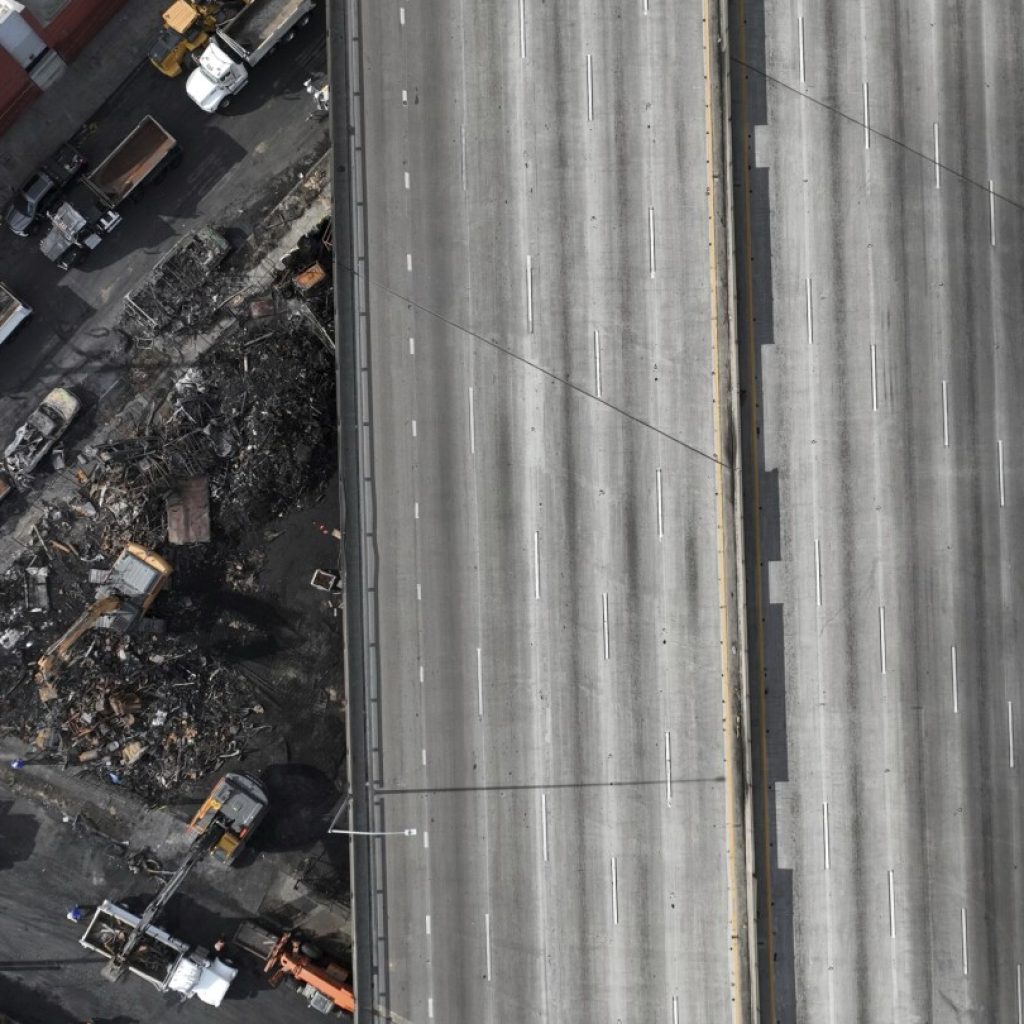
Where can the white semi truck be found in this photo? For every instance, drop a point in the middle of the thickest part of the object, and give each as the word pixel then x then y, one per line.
pixel 223 67
pixel 167 963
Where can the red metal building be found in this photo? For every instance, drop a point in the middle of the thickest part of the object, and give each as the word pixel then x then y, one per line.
pixel 33 55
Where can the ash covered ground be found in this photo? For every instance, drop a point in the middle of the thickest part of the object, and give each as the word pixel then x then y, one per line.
pixel 246 672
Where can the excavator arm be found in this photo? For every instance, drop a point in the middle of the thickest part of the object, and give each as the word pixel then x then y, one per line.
pixel 58 652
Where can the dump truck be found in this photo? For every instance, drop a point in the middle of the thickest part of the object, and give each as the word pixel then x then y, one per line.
pixel 167 963
pixel 323 983
pixel 223 67
pixel 13 313
pixel 89 210
pixel 45 425
pixel 126 592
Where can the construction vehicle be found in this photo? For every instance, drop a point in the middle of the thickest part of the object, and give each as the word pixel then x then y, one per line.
pixel 89 211
pixel 45 425
pixel 125 594
pixel 322 983
pixel 13 313
pixel 187 28
pixel 223 67
pixel 156 956
pixel 134 944
pixel 238 799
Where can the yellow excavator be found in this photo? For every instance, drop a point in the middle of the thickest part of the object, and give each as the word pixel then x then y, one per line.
pixel 125 595
pixel 188 27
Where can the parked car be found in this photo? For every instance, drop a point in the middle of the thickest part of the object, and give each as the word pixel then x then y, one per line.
pixel 43 189
pixel 40 432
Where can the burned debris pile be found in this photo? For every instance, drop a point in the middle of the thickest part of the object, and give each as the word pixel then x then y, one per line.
pixel 199 477
pixel 153 712
pixel 255 417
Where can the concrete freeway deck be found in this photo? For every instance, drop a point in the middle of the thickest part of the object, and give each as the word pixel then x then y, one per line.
pixel 546 701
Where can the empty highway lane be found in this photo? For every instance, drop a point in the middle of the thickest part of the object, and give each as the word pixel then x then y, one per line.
pixel 879 191
pixel 547 516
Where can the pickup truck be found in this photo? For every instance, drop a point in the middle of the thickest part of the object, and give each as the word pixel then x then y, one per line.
pixel 40 432
pixel 42 190
pixel 167 963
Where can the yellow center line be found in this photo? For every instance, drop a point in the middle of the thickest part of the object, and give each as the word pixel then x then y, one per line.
pixel 765 872
pixel 736 875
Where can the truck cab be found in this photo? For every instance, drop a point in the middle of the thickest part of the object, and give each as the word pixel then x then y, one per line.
pixel 43 189
pixel 218 76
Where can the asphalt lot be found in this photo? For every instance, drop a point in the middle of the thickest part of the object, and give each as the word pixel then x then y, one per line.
pixel 549 711
pixel 884 194
pixel 46 977
pixel 235 166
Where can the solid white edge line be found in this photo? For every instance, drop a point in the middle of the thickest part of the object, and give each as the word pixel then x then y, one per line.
pixel 487 937
pixel 938 166
pixel 522 29
pixel 963 936
pixel 597 362
pixel 1020 997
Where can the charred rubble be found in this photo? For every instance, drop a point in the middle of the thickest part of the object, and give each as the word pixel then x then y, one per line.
pixel 238 439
